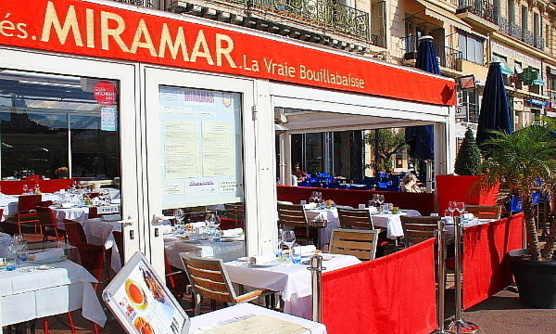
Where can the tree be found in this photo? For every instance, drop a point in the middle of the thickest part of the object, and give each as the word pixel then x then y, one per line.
pixel 386 143
pixel 468 160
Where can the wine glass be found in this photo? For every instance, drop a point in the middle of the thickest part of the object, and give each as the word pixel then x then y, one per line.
pixel 210 220
pixel 18 239
pixel 288 238
pixel 25 188
pixel 180 216
pixel 452 207
pixel 380 199
pixel 460 207
pixel 37 188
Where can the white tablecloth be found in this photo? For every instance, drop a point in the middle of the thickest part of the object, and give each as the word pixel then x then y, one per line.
pixel 75 213
pixel 41 293
pixel 99 232
pixel 10 202
pixel 201 321
pixel 293 281
pixel 391 222
pixel 225 250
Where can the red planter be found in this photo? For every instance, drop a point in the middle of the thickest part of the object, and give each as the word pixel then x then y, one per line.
pixel 457 188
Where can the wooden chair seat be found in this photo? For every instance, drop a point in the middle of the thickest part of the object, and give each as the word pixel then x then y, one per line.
pixel 359 243
pixel 417 229
pixel 209 279
pixel 484 211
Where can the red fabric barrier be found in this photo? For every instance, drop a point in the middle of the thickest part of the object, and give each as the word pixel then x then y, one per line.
pixel 392 294
pixel 46 186
pixel 456 188
pixel 422 202
pixel 486 269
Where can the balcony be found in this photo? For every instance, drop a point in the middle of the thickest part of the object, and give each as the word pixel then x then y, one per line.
pixel 517 32
pixel 447 57
pixel 479 8
pixel 142 3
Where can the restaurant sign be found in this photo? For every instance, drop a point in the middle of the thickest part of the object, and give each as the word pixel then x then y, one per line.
pixel 137 34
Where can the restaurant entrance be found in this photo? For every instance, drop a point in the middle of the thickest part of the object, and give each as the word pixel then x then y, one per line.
pixel 62 137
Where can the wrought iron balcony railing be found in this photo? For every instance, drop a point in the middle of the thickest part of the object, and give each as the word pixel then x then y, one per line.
pixel 517 32
pixel 480 8
pixel 447 56
pixel 142 3
pixel 323 13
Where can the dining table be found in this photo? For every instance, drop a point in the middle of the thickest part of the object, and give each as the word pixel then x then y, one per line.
pixel 291 280
pixel 227 249
pixel 98 231
pixel 387 220
pixel 9 203
pixel 37 290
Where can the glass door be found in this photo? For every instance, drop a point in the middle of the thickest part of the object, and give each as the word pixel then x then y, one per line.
pixel 68 126
pixel 198 137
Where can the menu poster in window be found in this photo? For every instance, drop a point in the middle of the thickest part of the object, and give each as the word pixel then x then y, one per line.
pixel 142 303
pixel 109 118
pixel 202 146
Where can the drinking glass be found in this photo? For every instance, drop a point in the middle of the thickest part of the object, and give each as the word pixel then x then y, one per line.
pixel 380 199
pixel 452 207
pixel 460 207
pixel 278 249
pixel 288 238
pixel 296 254
pixel 18 239
pixel 11 258
pixel 23 252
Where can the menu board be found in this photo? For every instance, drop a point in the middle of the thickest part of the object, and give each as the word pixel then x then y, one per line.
pixel 142 303
pixel 201 147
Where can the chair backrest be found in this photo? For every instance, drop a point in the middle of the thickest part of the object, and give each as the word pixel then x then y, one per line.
pixel 92 258
pixel 359 243
pixel 417 229
pixel 355 218
pixel 292 215
pixel 484 212
pixel 27 203
pixel 234 210
pixel 119 240
pixel 75 232
pixel 208 278
pixel 44 216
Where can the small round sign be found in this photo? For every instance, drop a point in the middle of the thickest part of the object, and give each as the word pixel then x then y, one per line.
pixel 105 93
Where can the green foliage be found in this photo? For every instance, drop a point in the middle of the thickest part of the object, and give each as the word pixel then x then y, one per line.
pixel 520 160
pixel 388 142
pixel 468 160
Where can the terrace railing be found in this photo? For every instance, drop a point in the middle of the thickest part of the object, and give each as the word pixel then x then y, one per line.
pixel 517 32
pixel 480 8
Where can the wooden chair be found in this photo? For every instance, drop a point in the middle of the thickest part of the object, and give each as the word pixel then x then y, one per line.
pixel 417 229
pixel 359 243
pixel 234 218
pixel 209 279
pixel 294 216
pixel 356 218
pixel 484 212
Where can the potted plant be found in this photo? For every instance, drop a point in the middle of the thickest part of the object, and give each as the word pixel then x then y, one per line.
pixel 62 172
pixel 460 187
pixel 525 161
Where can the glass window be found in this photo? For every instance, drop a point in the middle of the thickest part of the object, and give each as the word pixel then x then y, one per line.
pixel 471 48
pixel 58 126
pixel 202 166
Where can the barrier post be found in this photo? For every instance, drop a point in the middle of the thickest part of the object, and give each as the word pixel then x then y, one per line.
pixel 440 276
pixel 458 325
pixel 316 269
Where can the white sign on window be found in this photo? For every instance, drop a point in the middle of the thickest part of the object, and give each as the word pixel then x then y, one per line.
pixel 109 118
pixel 201 145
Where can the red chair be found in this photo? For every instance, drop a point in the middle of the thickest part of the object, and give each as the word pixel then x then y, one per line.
pixel 75 233
pixel 119 240
pixel 49 224
pixel 26 215
pixel 176 279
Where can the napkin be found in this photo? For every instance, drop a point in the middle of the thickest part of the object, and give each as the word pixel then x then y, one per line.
pixel 111 218
pixel 262 258
pixel 310 206
pixel 51 254
pixel 232 232
pixel 307 250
